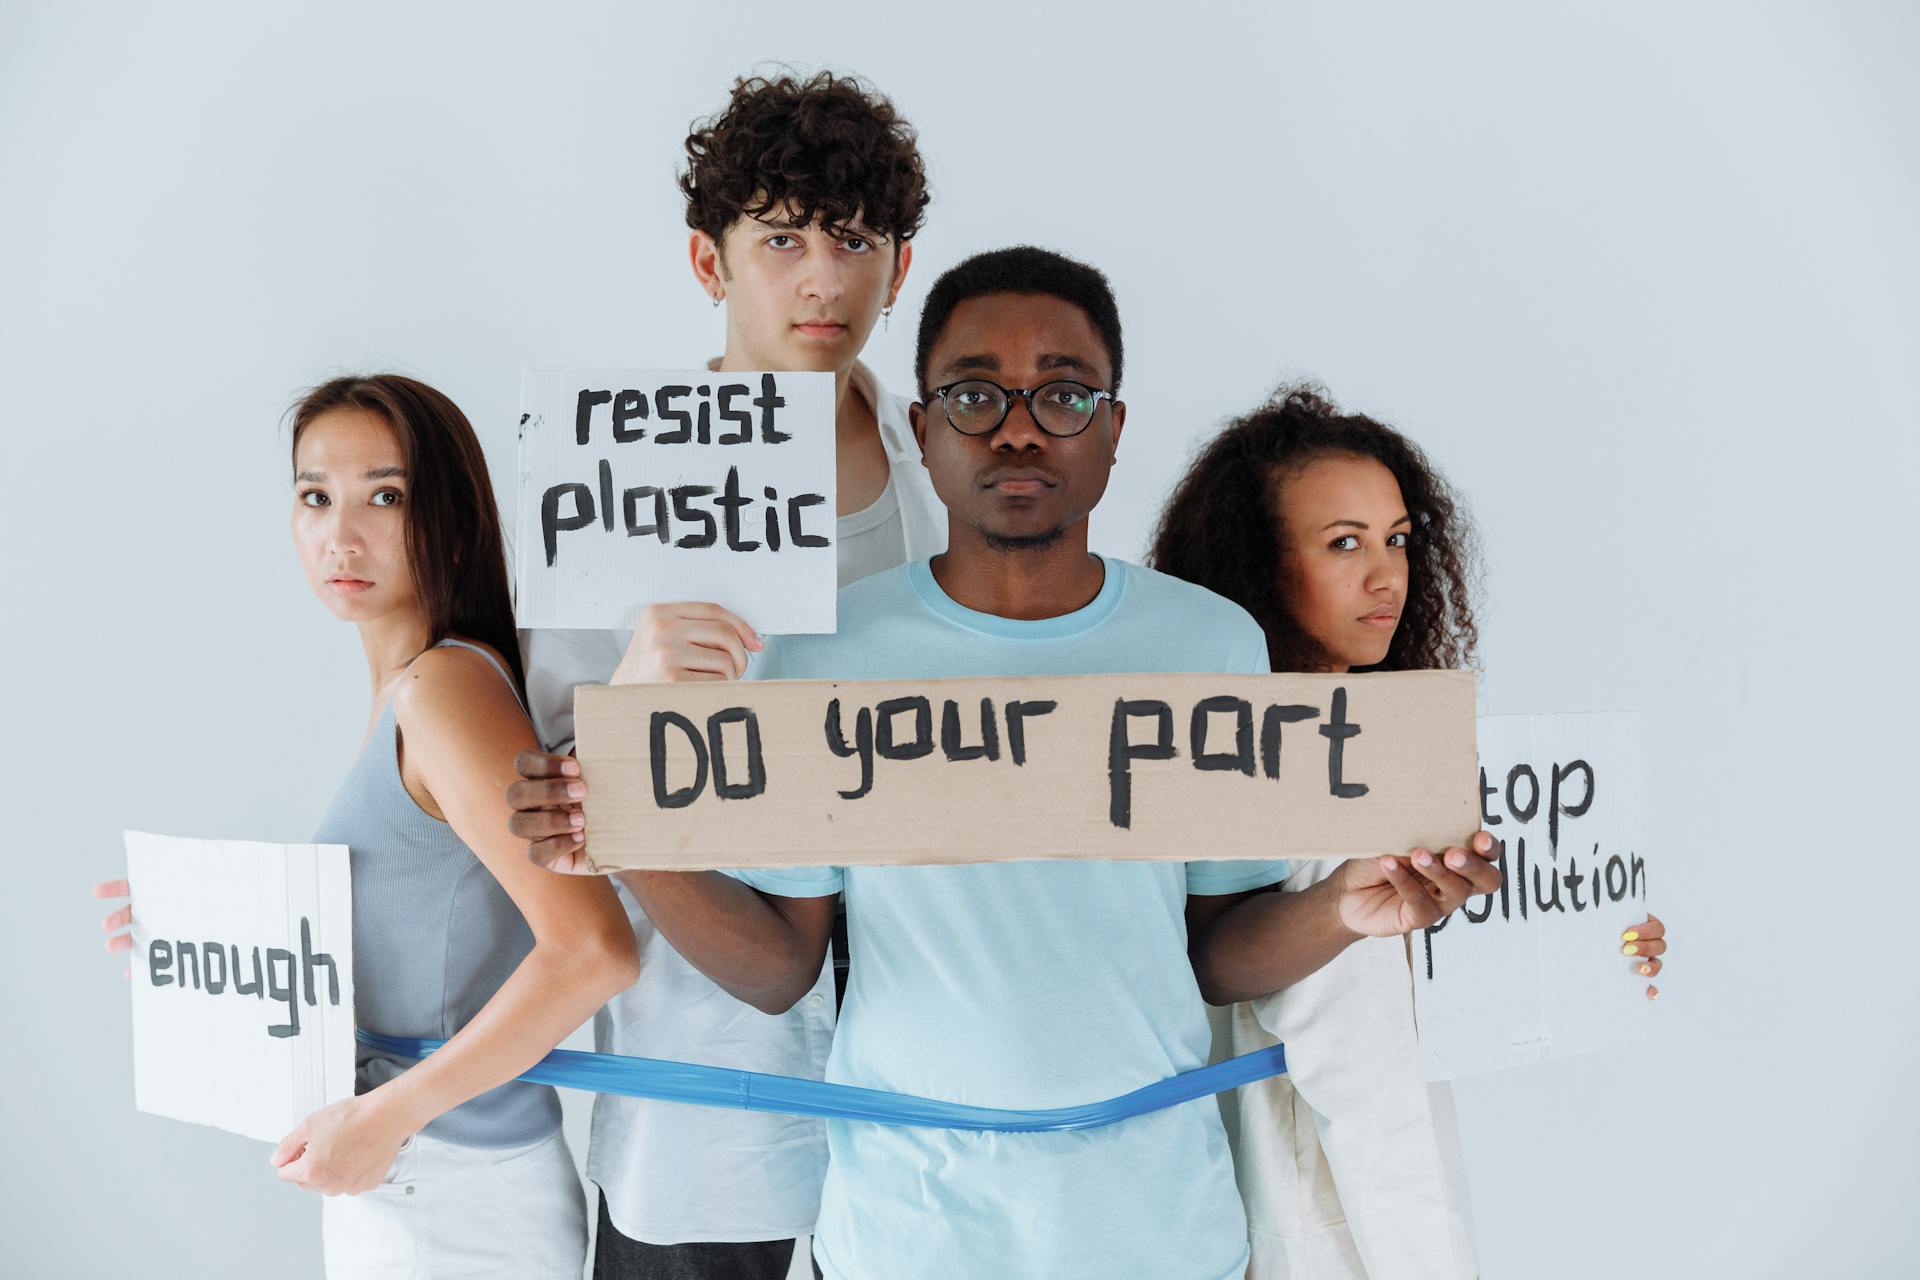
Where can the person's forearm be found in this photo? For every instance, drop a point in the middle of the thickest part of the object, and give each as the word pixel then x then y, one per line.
pixel 728 931
pixel 555 989
pixel 1267 942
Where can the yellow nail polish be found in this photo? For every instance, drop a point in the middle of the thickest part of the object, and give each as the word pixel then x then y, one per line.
pixel 1630 936
pixel 1646 971
pixel 1629 950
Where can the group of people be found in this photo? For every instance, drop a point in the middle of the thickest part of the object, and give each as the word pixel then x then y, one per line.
pixel 1301 539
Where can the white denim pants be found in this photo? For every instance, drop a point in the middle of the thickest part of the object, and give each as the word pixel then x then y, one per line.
pixel 449 1211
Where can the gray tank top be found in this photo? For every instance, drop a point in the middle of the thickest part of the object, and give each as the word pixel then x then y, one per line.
pixel 434 936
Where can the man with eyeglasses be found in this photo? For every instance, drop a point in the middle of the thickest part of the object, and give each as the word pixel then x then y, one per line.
pixel 1028 983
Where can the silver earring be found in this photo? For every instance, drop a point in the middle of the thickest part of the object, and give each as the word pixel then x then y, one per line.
pixel 716 302
pixel 886 317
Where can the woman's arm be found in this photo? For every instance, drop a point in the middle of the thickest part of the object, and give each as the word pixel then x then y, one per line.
pixel 1244 946
pixel 460 730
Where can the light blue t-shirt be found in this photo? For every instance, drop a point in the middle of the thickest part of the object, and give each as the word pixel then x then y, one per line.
pixel 1024 984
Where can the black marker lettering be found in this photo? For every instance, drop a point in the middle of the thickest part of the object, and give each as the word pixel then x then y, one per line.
pixel 1017 713
pixel 1574 882
pixel 553 524
pixel 1337 731
pixel 922 742
pixel 773 518
pixel 730 502
pixel 1122 752
pixel 247 989
pixel 583 414
pixel 1270 723
pixel 1556 807
pixel 211 951
pixel 159 961
pixel 767 401
pixel 756 782
pixel 184 952
pixel 287 989
pixel 741 419
pixel 862 745
pixel 606 495
pixel 657 747
pixel 1488 818
pixel 662 399
pixel 629 407
pixel 1532 807
pixel 703 433
pixel 310 960
pixel 799 536
pixel 684 511
pixel 1240 759
pixel 954 749
pixel 630 502
pixel 1616 887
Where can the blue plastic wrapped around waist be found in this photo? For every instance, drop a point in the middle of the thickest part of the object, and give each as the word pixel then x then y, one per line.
pixel 789 1095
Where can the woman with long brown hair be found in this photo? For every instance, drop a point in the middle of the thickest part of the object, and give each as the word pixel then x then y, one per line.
pixel 449 1166
pixel 1353 554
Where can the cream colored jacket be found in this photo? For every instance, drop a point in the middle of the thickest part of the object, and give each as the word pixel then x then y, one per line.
pixel 1344 1172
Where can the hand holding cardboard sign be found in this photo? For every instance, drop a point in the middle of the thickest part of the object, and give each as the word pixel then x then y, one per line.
pixel 1381 897
pixel 342 1149
pixel 547 814
pixel 687 641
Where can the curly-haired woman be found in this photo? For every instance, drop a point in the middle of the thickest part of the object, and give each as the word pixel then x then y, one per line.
pixel 1353 554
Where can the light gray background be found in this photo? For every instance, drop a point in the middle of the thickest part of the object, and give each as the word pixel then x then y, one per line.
pixel 1643 279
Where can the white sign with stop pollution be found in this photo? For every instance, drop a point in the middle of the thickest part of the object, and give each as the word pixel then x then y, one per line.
pixel 1534 970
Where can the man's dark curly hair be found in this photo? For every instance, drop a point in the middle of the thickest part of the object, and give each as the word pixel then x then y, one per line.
pixel 1222 530
pixel 827 147
pixel 1020 269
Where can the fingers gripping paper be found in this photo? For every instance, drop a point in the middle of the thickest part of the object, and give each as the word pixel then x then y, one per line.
pixel 242 974
pixel 788 773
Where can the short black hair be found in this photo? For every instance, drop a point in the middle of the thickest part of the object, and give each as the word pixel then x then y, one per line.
pixel 827 147
pixel 1020 269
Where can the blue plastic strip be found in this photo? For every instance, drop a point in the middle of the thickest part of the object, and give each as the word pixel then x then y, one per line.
pixel 789 1095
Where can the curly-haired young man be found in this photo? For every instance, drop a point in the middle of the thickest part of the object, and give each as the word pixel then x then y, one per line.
pixel 803 196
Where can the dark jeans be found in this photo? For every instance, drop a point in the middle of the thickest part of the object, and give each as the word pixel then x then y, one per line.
pixel 617 1258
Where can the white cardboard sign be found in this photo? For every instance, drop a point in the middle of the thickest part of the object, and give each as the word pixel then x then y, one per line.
pixel 643 487
pixel 1533 970
pixel 242 981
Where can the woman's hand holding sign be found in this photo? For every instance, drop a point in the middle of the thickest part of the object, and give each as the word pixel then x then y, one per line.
pixel 1645 943
pixel 1381 897
pixel 343 1149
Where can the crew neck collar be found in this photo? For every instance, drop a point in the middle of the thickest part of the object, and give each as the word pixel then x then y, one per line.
pixel 1080 621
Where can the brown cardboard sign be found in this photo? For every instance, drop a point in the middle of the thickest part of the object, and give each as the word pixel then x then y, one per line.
pixel 1166 766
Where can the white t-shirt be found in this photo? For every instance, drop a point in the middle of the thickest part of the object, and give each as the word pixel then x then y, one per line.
pixel 674 1173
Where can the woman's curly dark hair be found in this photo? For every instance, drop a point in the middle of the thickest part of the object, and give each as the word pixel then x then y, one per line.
pixel 1222 530
pixel 828 147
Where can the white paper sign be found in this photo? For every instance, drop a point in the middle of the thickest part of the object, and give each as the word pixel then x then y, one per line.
pixel 242 981
pixel 1534 970
pixel 643 487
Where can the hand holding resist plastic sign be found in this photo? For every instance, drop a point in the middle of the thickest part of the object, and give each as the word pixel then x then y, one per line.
pixel 788 773
pixel 242 975
pixel 641 488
